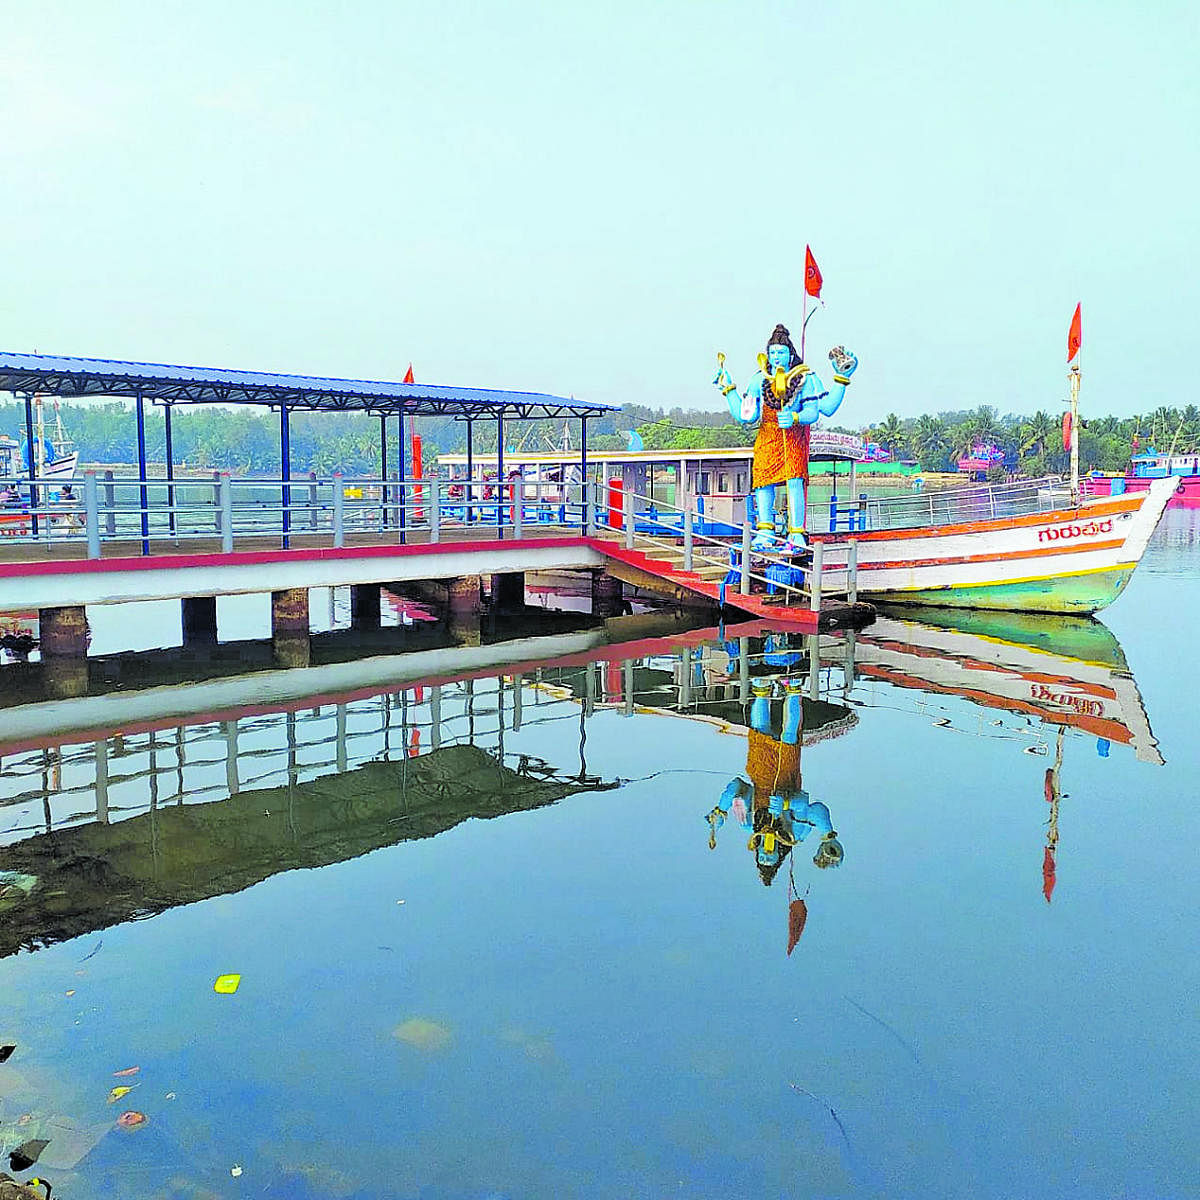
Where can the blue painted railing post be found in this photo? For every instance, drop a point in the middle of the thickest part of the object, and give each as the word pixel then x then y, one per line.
pixel 435 510
pixel 687 540
pixel 142 491
pixel 285 460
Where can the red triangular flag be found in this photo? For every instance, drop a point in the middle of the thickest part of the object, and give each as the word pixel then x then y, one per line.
pixel 408 375
pixel 812 274
pixel 1075 337
pixel 797 915
pixel 1049 874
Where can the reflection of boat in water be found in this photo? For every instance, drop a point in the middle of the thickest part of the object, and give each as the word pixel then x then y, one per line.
pixel 1066 672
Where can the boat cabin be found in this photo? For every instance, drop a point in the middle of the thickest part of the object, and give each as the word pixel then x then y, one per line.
pixel 1158 466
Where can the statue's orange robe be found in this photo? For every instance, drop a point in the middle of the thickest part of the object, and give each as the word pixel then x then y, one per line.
pixel 779 454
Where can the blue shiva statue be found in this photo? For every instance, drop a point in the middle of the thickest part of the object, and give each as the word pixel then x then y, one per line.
pixel 786 397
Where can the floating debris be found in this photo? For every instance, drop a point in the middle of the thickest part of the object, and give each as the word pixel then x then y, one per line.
pixel 881 1022
pixel 236 1170
pixel 117 1093
pixel 125 1072
pixel 26 1154
pixel 423 1034
pixel 6 1052
pixel 226 985
pixel 132 1119
pixel 94 952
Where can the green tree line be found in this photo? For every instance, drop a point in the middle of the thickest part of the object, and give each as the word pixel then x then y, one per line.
pixel 246 440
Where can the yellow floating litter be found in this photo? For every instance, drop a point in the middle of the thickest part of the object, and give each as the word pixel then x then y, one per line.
pixel 226 985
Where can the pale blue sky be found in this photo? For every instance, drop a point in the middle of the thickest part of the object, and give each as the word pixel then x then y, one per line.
pixel 595 198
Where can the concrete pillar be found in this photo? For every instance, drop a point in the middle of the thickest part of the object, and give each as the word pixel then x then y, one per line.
pixel 63 632
pixel 465 603
pixel 607 595
pixel 289 627
pixel 464 594
pixel 364 606
pixel 508 591
pixel 199 615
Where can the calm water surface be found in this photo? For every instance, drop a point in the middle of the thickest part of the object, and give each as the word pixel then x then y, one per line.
pixel 486 948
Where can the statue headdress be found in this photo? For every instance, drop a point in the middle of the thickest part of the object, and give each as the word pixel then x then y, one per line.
pixel 781 337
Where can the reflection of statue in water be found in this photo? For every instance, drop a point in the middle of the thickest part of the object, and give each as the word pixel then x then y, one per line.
pixel 771 805
pixel 786 397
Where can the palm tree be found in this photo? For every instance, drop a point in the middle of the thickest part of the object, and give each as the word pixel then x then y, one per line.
pixel 890 434
pixel 1035 433
pixel 930 442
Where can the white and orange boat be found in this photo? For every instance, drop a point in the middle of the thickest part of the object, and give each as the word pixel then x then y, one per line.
pixel 1030 546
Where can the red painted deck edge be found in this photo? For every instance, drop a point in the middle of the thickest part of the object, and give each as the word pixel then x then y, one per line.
pixel 155 562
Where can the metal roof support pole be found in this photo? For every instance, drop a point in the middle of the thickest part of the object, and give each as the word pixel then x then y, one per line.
pixel 587 498
pixel 383 465
pixel 285 469
pixel 500 475
pixel 170 467
pixel 33 497
pixel 143 494
pixel 470 489
pixel 403 488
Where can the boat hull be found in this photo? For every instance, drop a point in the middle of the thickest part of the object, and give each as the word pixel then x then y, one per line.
pixel 1186 494
pixel 1075 560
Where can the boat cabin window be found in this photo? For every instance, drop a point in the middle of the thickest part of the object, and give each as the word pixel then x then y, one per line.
pixel 722 482
pixel 703 489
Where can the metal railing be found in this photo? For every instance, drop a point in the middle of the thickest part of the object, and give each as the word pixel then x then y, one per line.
pixel 956 505
pixel 93 510
pixel 679 533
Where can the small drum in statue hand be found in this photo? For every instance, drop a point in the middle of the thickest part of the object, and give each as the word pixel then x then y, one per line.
pixel 840 359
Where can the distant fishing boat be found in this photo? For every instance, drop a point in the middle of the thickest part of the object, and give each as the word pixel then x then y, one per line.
pixel 56 457
pixel 1184 469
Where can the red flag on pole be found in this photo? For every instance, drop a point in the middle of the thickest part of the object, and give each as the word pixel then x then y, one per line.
pixel 1075 337
pixel 812 274
pixel 408 375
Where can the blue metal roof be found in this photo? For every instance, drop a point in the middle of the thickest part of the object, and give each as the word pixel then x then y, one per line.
pixel 74 377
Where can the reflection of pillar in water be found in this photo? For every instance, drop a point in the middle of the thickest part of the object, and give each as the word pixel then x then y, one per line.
pixel 179 760
pixel 685 677
pixel 848 663
pixel 232 782
pixel 100 751
pixel 435 715
pixel 589 689
pixel 518 684
pixel 744 670
pixel 465 604
pixel 608 594
pixel 340 739
pixel 289 627
pixel 629 687
pixel 65 678
pixel 500 717
pixel 470 710
pixel 291 749
pixel 814 664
